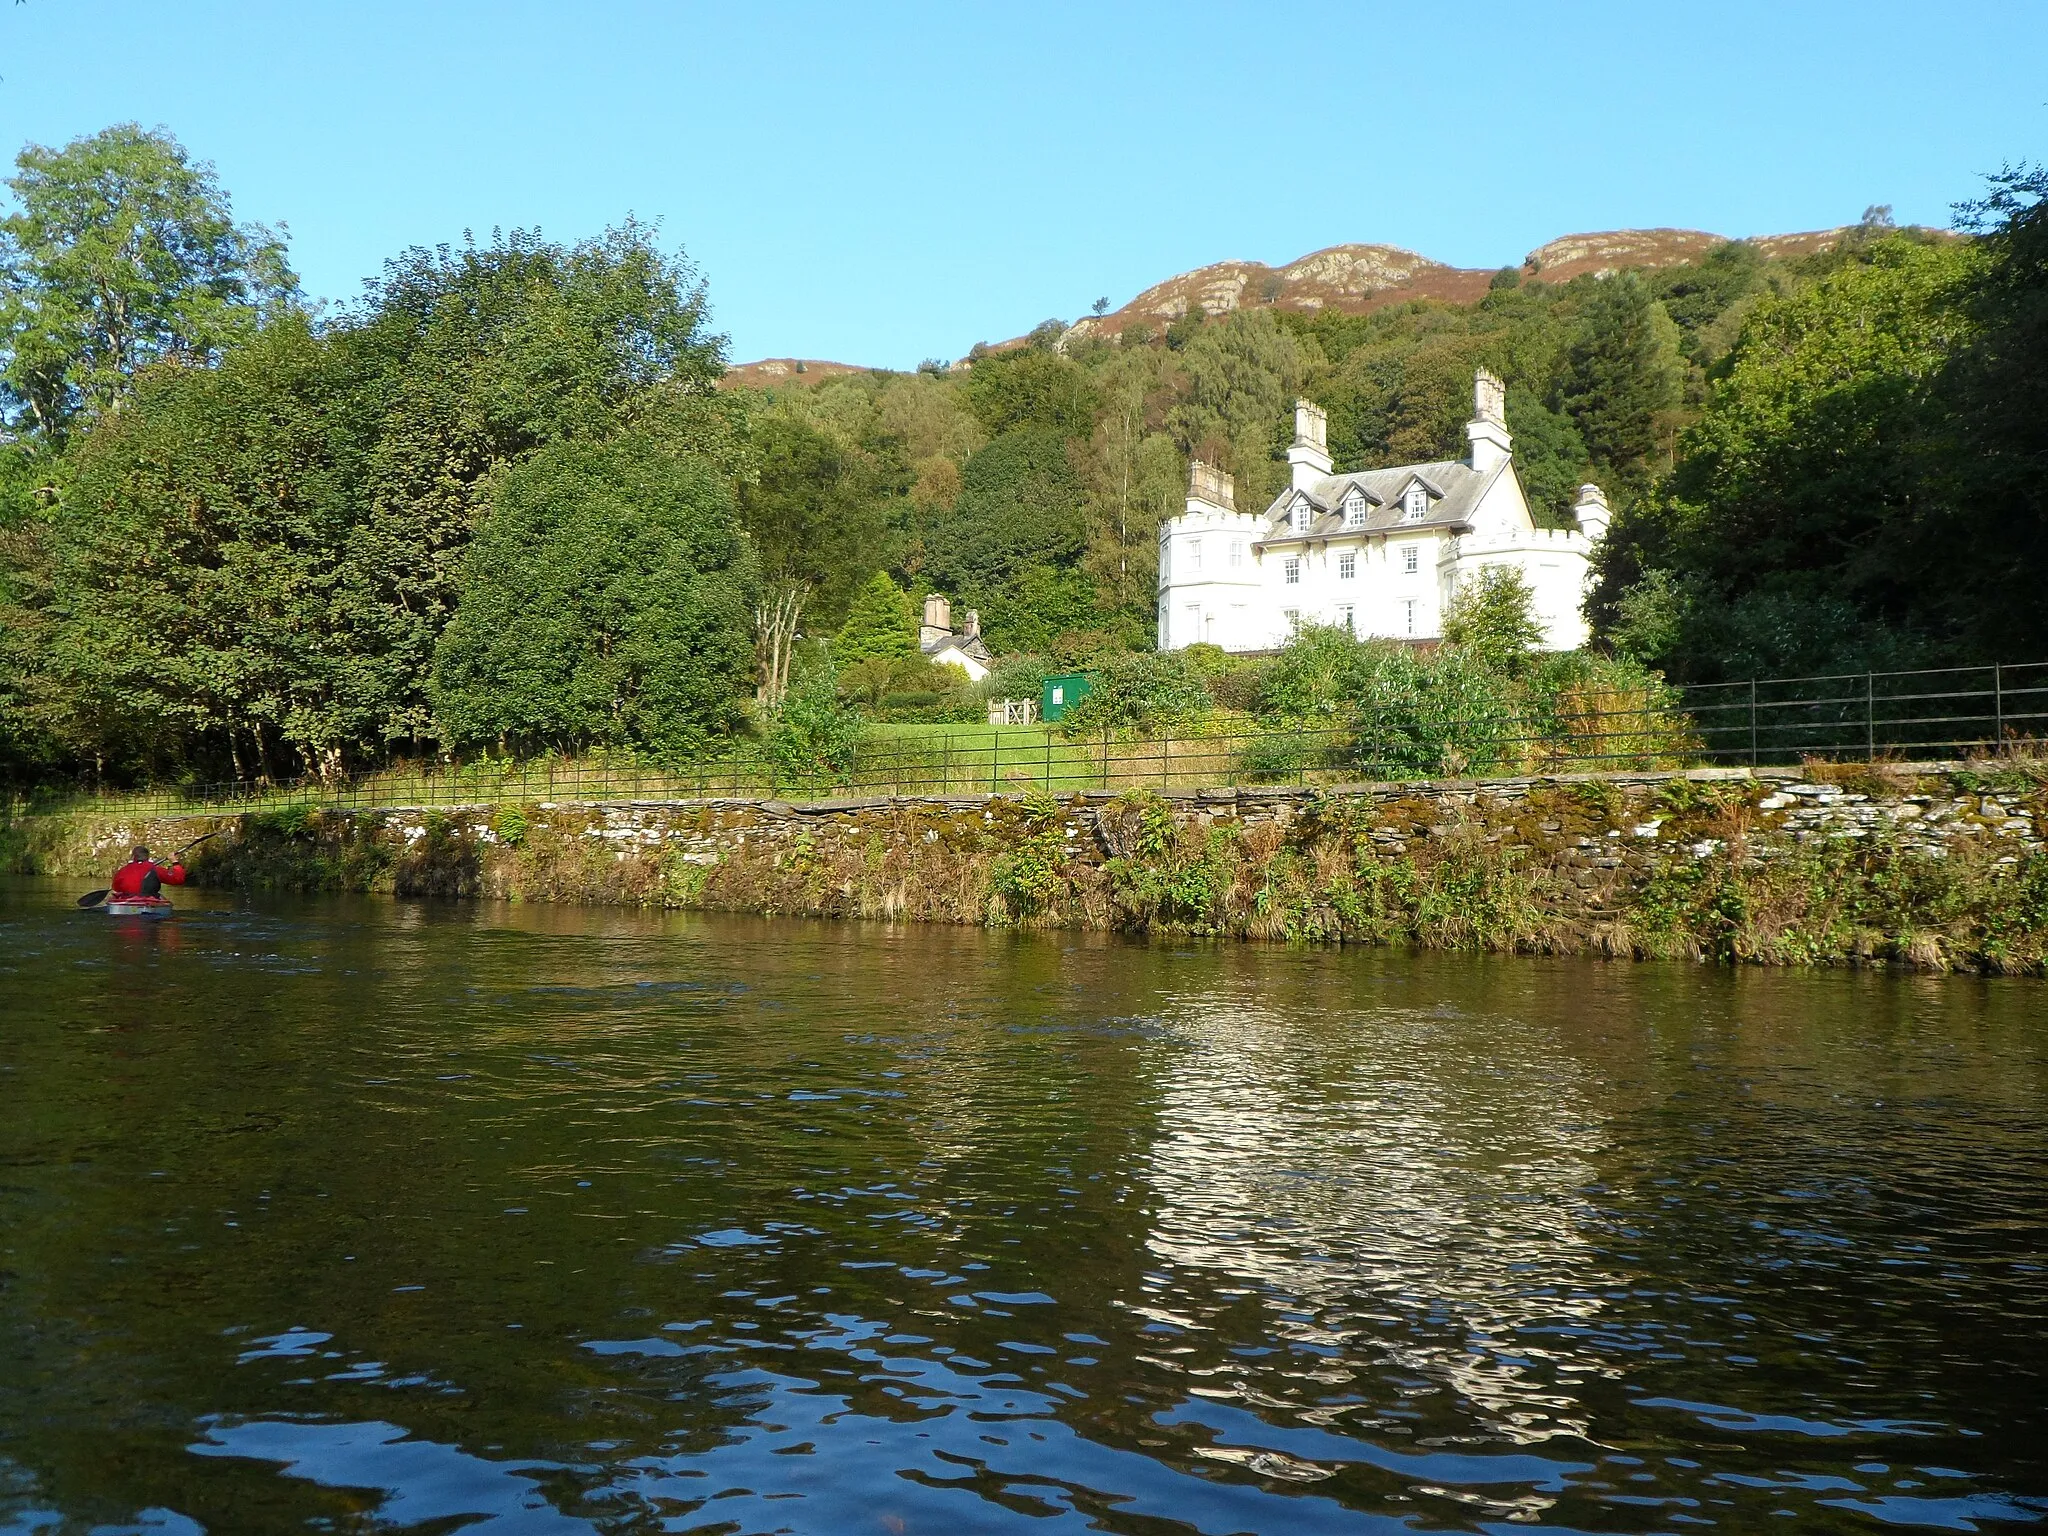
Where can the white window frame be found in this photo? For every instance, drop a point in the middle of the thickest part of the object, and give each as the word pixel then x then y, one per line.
pixel 1194 554
pixel 1354 511
pixel 1347 565
pixel 1290 571
pixel 1411 559
pixel 1415 505
pixel 1293 618
pixel 1236 553
pixel 1347 616
pixel 1410 607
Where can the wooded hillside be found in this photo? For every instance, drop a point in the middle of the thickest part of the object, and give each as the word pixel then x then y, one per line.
pixel 497 502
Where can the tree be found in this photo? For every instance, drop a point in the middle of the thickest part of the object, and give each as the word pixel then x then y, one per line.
pixel 1809 502
pixel 201 606
pixel 1620 374
pixel 1240 377
pixel 1010 543
pixel 1998 386
pixel 1493 618
pixel 603 600
pixel 125 252
pixel 1031 388
pixel 816 507
pixel 882 624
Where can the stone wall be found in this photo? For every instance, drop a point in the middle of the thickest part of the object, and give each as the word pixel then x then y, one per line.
pixel 1930 863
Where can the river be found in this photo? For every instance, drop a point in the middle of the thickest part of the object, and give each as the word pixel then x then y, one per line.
pixel 349 1214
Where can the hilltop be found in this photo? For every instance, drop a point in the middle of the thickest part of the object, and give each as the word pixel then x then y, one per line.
pixel 1357 279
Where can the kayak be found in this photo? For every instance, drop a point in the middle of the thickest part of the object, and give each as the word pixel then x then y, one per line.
pixel 136 906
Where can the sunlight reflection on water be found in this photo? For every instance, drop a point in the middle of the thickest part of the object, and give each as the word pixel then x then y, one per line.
pixel 343 1212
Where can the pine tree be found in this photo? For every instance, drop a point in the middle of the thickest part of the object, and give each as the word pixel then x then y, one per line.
pixel 882 622
pixel 1619 374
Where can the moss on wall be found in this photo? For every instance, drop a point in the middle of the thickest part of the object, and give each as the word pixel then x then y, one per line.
pixel 1928 866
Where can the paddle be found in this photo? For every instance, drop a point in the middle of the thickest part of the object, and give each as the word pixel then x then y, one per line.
pixel 94 898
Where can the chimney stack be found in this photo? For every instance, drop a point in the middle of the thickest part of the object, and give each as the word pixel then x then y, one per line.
pixel 1210 489
pixel 973 627
pixel 1310 455
pixel 1591 511
pixel 1487 431
pixel 938 620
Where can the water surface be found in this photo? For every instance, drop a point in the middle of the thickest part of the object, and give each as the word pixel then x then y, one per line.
pixel 352 1215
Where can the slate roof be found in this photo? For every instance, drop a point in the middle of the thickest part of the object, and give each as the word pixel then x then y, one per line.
pixel 1457 487
pixel 966 645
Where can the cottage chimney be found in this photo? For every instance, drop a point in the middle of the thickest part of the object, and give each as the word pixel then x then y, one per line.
pixel 938 620
pixel 1210 489
pixel 972 629
pixel 1310 454
pixel 1487 431
pixel 1591 511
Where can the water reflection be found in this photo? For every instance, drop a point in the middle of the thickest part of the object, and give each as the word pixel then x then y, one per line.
pixel 1400 1189
pixel 348 1215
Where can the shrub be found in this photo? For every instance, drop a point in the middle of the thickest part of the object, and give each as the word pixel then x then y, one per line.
pixel 813 734
pixel 1318 678
pixel 1016 677
pixel 1493 619
pixel 1141 689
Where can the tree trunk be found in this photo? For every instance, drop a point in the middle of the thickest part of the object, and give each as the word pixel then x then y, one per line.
pixel 775 621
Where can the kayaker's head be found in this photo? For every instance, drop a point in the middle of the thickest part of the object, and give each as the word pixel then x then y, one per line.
pixel 140 855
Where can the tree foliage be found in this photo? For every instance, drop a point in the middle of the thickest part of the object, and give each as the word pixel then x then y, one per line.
pixel 123 252
pixel 603 600
pixel 881 624
pixel 252 562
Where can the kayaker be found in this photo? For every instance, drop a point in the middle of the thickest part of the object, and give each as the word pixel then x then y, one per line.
pixel 140 876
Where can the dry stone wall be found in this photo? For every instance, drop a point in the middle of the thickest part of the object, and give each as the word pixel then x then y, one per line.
pixel 1810 862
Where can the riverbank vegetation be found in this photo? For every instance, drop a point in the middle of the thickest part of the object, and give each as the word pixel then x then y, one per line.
pixel 1876 865
pixel 497 503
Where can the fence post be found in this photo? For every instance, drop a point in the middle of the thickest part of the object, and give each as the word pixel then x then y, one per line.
pixel 1997 704
pixel 1870 715
pixel 1048 762
pixel 995 757
pixel 1165 752
pixel 1752 722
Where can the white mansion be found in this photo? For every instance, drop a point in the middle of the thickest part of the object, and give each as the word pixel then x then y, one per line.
pixel 1379 551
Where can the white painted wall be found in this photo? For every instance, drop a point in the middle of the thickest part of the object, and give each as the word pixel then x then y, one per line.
pixel 1217 585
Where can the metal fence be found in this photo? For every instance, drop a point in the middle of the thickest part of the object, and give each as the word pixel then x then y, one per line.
pixel 1947 713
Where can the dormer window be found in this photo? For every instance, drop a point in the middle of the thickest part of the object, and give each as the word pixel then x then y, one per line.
pixel 1304 514
pixel 1415 505
pixel 1354 510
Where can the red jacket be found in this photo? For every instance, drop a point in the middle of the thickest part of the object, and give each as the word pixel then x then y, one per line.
pixel 128 878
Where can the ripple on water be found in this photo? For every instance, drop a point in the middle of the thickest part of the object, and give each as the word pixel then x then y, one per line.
pixel 546 1221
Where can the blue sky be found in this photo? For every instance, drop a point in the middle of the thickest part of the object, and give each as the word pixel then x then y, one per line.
pixel 884 183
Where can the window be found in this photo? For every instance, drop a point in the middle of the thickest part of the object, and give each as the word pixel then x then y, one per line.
pixel 1409 607
pixel 1344 617
pixel 1411 558
pixel 1236 553
pixel 1347 567
pixel 1194 554
pixel 1415 506
pixel 1194 623
pixel 1354 511
pixel 1293 618
pixel 1290 571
